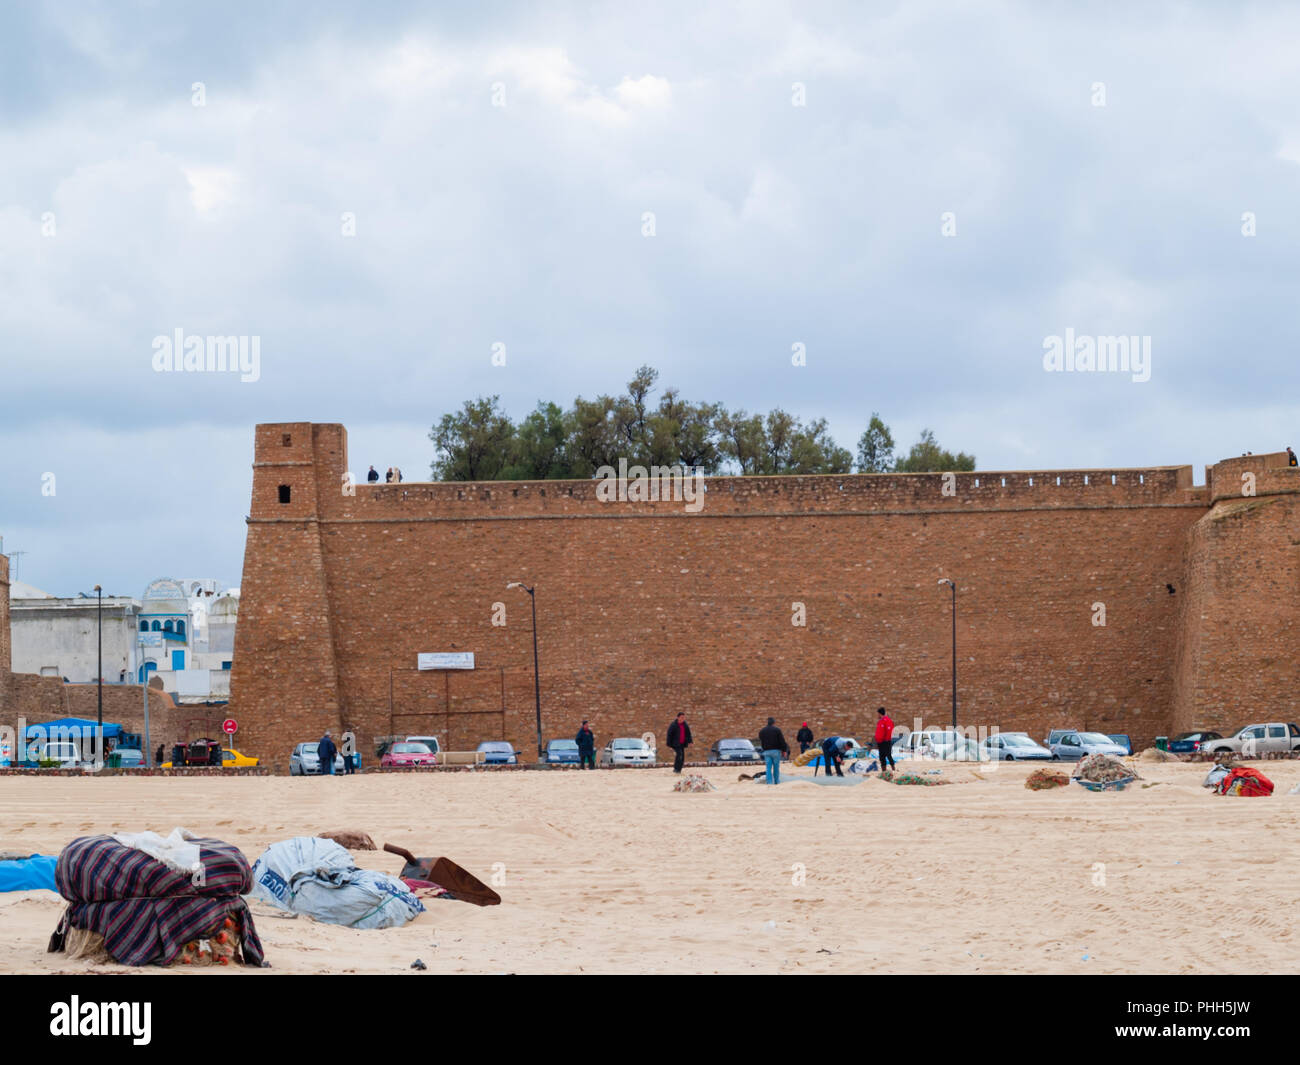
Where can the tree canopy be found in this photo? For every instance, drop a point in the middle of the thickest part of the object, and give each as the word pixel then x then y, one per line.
pixel 480 442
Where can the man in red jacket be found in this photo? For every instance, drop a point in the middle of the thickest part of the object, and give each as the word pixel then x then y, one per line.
pixel 885 739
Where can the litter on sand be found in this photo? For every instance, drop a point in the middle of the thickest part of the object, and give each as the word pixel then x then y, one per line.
pixel 28 873
pixel 442 878
pixel 317 877
pixel 142 911
pixel 1045 779
pixel 1244 781
pixel 693 783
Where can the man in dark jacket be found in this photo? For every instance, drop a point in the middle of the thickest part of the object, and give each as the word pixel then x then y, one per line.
pixel 772 742
pixel 833 754
pixel 679 738
pixel 372 476
pixel 586 741
pixel 805 737
pixel 325 752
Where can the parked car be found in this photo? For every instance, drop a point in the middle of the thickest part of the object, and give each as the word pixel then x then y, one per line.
pixel 429 741
pixel 1075 745
pixel 65 752
pixel 1055 736
pixel 125 758
pixel 1190 742
pixel 230 759
pixel 733 750
pixel 939 743
pixel 627 750
pixel 1254 740
pixel 409 754
pixel 498 752
pixel 305 761
pixel 1016 747
pixel 1122 739
pixel 562 752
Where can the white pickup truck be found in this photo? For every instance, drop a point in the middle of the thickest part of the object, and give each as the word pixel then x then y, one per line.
pixel 1254 740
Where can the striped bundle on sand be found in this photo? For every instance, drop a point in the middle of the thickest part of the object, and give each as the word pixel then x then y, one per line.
pixel 146 911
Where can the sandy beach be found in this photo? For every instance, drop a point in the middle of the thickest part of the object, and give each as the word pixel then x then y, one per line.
pixel 613 872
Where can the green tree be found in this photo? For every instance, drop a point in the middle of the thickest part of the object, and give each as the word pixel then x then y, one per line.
pixel 539 450
pixel 473 444
pixel 591 438
pixel 876 447
pixel 741 439
pixel 927 456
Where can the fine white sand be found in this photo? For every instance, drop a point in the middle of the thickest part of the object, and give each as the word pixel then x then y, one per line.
pixel 614 872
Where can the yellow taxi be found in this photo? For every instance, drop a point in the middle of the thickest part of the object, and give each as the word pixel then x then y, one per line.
pixel 230 759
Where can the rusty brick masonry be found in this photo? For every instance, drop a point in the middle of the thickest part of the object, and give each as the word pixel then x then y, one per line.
pixel 645 609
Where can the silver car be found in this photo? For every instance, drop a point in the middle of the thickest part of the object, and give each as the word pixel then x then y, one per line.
pixel 305 761
pixel 1075 745
pixel 1016 747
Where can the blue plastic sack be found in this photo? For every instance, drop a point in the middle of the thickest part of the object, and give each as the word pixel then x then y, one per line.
pixel 28 874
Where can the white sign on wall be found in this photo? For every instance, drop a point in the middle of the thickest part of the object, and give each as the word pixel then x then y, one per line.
pixel 151 639
pixel 446 660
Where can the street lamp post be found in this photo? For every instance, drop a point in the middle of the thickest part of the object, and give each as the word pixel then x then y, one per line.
pixel 952 584
pixel 99 624
pixel 537 676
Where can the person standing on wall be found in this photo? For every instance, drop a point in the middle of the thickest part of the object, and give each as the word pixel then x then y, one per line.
pixel 325 753
pixel 1291 460
pixel 679 738
pixel 804 737
pixel 885 739
pixel 772 741
pixel 373 475
pixel 586 741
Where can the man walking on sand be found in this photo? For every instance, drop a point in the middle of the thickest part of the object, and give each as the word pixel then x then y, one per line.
pixel 885 739
pixel 772 741
pixel 679 738
pixel 586 741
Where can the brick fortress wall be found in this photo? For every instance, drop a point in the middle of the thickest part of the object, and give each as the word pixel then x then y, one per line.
pixel 645 609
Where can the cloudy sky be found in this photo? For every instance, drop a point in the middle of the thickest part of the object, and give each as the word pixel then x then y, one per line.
pixel 195 167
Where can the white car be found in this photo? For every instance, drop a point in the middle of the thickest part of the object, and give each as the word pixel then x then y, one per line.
pixel 940 743
pixel 1254 740
pixel 627 751
pixel 305 761
pixel 429 741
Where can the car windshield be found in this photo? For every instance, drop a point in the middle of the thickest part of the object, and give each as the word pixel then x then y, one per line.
pixel 495 746
pixel 735 745
pixel 1018 741
pixel 310 748
pixel 410 748
pixel 563 745
pixel 628 745
pixel 1094 737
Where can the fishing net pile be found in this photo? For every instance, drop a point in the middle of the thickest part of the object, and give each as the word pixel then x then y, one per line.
pixel 693 783
pixel 1045 779
pixel 1103 769
pixel 912 778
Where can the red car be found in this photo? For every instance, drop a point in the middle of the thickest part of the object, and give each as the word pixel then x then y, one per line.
pixel 409 754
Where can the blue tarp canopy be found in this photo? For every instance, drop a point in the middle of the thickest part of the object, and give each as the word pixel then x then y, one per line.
pixel 112 730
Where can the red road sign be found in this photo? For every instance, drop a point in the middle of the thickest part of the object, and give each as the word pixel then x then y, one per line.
pixel 228 726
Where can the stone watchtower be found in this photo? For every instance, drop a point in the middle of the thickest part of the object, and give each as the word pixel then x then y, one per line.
pixel 284 644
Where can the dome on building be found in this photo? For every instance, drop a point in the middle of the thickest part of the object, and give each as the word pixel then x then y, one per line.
pixel 165 596
pixel 226 609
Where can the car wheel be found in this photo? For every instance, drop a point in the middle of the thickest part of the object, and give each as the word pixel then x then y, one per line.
pixel 1008 757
